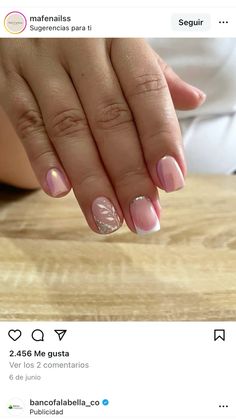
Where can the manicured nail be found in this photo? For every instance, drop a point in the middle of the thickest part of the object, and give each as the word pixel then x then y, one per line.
pixel 144 215
pixel 56 182
pixel 170 174
pixel 159 208
pixel 105 216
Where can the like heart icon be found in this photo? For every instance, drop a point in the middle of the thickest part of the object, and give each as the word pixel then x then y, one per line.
pixel 14 334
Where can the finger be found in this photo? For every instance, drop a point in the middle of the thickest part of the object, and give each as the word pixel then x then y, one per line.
pixel 69 132
pixel 116 137
pixel 22 108
pixel 147 93
pixel 184 95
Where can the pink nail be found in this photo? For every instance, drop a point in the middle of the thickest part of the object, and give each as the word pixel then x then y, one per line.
pixel 56 182
pixel 170 174
pixel 105 215
pixel 144 215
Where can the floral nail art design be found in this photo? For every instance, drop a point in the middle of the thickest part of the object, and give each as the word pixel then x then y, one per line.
pixel 105 216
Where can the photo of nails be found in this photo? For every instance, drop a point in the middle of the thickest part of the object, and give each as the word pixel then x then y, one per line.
pixel 117 179
pixel 105 216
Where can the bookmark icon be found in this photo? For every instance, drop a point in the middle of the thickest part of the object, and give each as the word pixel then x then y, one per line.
pixel 219 334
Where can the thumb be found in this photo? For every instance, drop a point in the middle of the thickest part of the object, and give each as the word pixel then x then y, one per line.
pixel 184 95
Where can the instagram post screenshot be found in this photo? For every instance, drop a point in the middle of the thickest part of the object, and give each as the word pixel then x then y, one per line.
pixel 118 209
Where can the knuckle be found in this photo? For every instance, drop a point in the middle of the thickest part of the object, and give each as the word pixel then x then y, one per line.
pixel 86 179
pixel 162 134
pixel 67 123
pixel 130 176
pixel 36 156
pixel 165 134
pixel 29 123
pixel 112 116
pixel 148 83
pixel 164 138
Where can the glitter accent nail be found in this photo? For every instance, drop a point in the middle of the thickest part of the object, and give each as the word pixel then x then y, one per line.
pixel 105 216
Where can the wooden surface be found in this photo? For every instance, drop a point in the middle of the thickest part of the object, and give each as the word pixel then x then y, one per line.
pixel 52 267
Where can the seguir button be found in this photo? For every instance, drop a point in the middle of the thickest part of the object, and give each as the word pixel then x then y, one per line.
pixel 190 22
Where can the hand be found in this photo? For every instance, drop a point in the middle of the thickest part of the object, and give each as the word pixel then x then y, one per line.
pixel 98 115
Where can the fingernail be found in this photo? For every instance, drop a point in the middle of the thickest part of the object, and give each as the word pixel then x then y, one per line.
pixel 159 208
pixel 105 215
pixel 201 95
pixel 56 182
pixel 170 174
pixel 144 216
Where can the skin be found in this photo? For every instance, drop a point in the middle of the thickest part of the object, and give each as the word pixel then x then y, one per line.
pixel 101 111
pixel 15 168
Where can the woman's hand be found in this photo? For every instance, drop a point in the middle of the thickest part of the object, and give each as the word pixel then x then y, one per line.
pixel 98 115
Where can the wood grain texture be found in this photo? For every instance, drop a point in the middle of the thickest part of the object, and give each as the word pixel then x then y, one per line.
pixel 52 267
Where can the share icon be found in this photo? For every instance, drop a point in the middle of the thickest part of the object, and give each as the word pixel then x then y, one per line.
pixel 60 333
